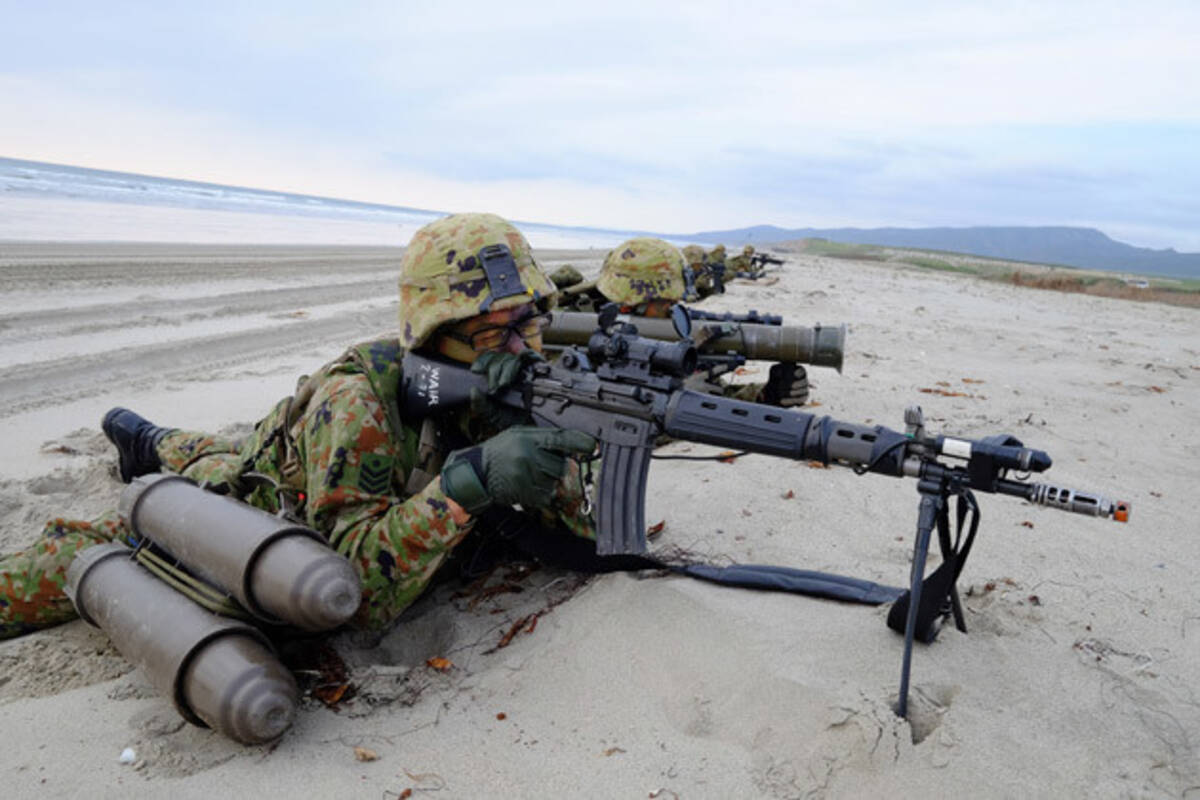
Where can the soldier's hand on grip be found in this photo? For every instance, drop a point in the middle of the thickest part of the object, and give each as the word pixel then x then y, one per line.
pixel 786 387
pixel 519 466
pixel 502 369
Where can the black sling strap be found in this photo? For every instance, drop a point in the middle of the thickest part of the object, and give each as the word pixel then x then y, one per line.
pixel 562 549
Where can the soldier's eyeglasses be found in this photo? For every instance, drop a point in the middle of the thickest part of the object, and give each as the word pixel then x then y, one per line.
pixel 495 336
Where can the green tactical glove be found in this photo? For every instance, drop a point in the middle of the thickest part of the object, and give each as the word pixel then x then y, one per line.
pixel 519 466
pixel 786 387
pixel 501 370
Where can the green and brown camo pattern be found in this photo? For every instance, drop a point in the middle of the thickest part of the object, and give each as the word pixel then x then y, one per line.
pixel 642 269
pixel 352 467
pixel 566 276
pixel 701 272
pixel 694 255
pixel 442 281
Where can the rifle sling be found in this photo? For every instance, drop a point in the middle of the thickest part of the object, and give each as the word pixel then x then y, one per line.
pixel 566 551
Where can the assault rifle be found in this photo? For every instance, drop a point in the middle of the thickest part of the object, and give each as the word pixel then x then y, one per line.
pixel 689 284
pixel 717 268
pixel 625 390
pixel 762 259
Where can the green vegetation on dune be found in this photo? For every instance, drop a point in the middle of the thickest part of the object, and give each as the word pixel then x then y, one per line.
pixel 926 262
pixel 824 247
pixel 1174 291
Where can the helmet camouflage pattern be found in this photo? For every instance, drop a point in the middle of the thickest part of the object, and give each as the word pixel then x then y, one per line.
pixel 565 276
pixel 748 250
pixel 642 269
pixel 444 276
pixel 694 254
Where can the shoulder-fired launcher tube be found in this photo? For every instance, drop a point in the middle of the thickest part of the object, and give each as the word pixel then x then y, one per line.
pixel 218 672
pixel 277 570
pixel 820 345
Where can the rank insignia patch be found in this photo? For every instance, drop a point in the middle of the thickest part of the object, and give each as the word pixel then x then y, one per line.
pixel 375 476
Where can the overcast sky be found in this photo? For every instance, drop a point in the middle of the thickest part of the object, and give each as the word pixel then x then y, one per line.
pixel 671 117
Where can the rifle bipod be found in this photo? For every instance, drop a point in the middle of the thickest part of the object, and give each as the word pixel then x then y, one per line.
pixel 931 600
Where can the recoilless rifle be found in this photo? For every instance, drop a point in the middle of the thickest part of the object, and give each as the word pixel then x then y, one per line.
pixel 752 316
pixel 723 341
pixel 626 391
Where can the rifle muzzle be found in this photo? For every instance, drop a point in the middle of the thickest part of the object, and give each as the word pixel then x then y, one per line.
pixel 1077 502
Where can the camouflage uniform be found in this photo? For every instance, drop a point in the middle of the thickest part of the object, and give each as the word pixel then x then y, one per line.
pixel 742 266
pixel 716 256
pixel 566 276
pixel 640 274
pixel 582 296
pixel 703 276
pixel 641 270
pixel 366 478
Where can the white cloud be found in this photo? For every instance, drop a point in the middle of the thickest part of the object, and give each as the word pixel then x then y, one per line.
pixel 634 114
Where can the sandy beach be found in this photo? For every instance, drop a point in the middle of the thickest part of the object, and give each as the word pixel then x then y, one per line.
pixel 1077 679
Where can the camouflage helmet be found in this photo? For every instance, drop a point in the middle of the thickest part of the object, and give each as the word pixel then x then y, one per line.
pixel 461 266
pixel 566 276
pixel 642 269
pixel 748 250
pixel 719 251
pixel 694 254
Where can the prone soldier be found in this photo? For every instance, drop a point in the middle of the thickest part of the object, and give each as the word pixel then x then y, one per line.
pixel 392 495
pixel 743 266
pixel 716 259
pixel 645 277
pixel 706 282
pixel 566 276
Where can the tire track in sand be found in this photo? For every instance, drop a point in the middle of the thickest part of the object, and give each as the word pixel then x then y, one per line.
pixel 30 386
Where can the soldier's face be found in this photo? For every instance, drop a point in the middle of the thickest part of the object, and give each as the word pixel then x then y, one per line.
pixel 509 330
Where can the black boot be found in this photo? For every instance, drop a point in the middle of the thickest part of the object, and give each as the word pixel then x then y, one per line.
pixel 135 439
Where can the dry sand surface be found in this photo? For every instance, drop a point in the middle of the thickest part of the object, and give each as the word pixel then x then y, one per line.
pixel 1078 677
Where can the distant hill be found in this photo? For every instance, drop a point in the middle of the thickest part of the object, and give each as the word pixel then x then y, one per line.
pixel 1075 247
